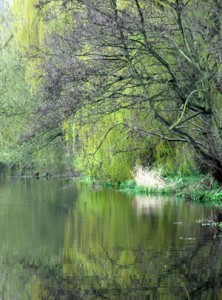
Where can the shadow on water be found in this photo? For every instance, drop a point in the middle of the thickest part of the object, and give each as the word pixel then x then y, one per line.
pixel 61 240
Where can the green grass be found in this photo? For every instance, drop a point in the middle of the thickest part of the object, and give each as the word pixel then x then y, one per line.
pixel 131 186
pixel 198 188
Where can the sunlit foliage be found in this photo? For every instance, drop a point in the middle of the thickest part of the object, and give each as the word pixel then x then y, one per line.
pixel 117 84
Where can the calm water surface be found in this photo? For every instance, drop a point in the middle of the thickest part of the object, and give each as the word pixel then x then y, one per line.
pixel 63 240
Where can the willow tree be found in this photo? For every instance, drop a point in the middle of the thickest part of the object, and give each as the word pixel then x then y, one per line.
pixel 29 26
pixel 22 33
pixel 162 59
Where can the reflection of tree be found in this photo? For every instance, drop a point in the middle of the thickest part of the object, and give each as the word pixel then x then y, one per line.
pixel 196 268
pixel 134 268
pixel 148 205
pixel 193 273
pixel 110 253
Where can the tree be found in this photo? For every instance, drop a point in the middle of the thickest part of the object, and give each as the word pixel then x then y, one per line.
pixel 161 59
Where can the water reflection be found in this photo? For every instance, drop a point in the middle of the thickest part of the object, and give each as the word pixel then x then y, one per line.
pixel 149 205
pixel 61 240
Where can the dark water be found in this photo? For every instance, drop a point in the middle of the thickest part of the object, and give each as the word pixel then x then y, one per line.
pixel 61 240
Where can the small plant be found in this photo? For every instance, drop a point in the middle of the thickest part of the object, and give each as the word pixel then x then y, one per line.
pixel 130 184
pixel 148 178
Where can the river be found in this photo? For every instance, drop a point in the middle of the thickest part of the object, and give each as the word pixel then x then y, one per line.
pixel 65 240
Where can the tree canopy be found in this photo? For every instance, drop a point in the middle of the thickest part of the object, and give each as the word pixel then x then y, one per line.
pixel 126 81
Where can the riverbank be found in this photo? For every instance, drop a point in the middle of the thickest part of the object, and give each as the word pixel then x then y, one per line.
pixel 198 188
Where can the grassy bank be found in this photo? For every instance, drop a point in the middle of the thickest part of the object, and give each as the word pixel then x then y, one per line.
pixel 198 187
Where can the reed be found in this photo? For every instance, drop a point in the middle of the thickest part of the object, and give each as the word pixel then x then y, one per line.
pixel 147 178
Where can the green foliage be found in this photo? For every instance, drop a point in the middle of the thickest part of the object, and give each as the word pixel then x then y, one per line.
pixel 17 106
pixel 50 159
pixel 29 29
pixel 200 188
pixel 174 158
pixel 20 75
pixel 131 187
pixel 116 93
pixel 196 188
pixel 105 151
